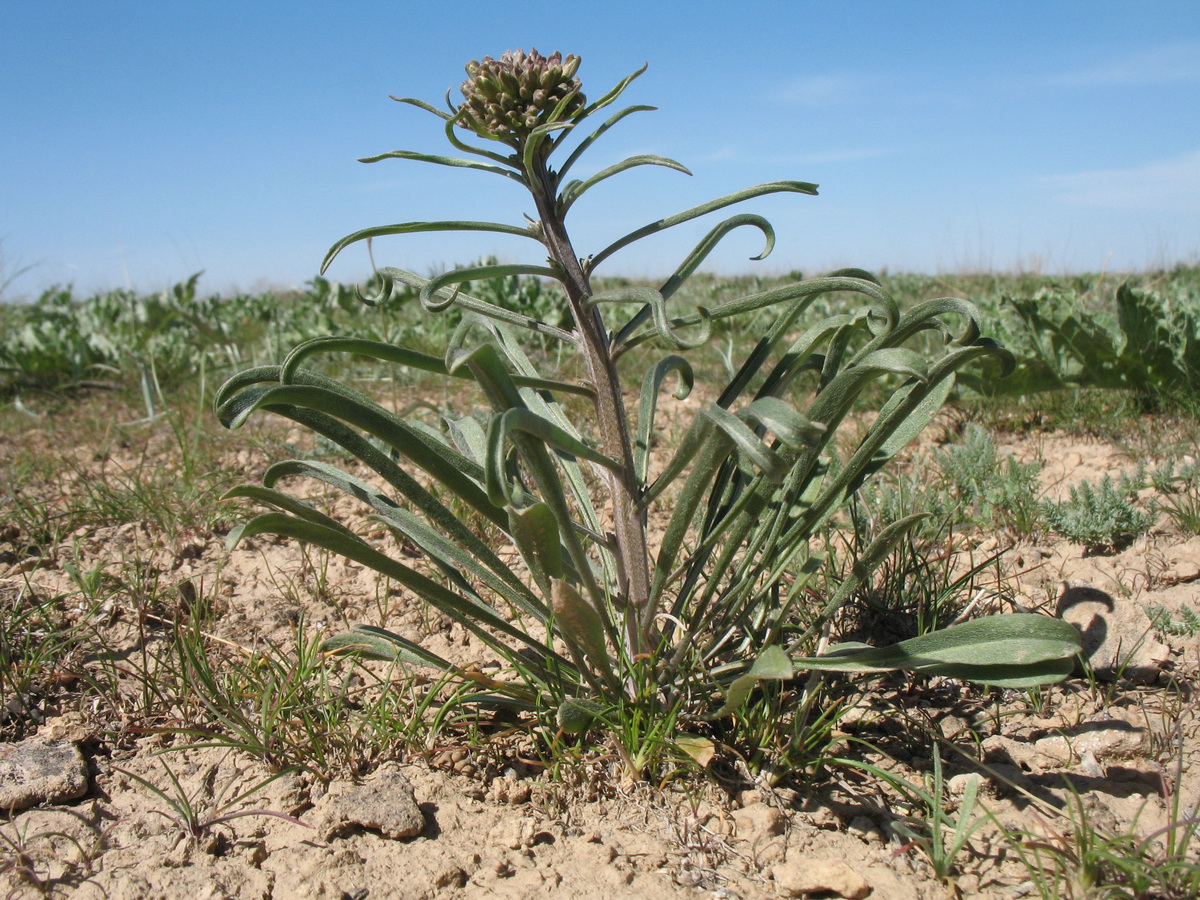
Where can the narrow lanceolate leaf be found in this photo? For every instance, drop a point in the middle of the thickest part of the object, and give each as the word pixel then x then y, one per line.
pixel 469 611
pixel 530 423
pixel 651 385
pixel 404 356
pixel 463 557
pixel 581 627
pixel 576 189
pixel 282 501
pixel 701 251
pixel 772 663
pixel 450 468
pixel 445 296
pixel 445 161
pixel 995 649
pixel 535 532
pixel 429 291
pixel 421 227
pixel 793 429
pixel 591 138
pixel 774 187
pixel 376 643
pixel 751 449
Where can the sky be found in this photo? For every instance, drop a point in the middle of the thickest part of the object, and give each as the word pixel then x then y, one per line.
pixel 145 141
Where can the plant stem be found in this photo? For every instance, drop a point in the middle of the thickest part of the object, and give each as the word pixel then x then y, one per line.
pixel 633 564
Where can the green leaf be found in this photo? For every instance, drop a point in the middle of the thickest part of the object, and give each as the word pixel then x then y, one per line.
pixel 576 189
pixel 591 138
pixel 535 532
pixel 576 715
pixel 751 448
pixel 772 663
pixel 582 628
pixel 793 429
pixel 774 187
pixel 473 273
pixel 480 307
pixel 423 227
pixel 996 649
pixel 651 385
pixel 369 642
pixel 468 610
pixel 445 161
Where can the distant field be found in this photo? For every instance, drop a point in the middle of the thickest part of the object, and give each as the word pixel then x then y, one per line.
pixel 191 676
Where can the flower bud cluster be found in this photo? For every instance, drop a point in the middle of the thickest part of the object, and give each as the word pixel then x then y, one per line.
pixel 509 97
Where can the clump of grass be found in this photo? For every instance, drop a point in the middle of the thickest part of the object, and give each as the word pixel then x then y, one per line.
pixel 1180 496
pixel 27 857
pixel 200 814
pixel 1083 862
pixel 286 707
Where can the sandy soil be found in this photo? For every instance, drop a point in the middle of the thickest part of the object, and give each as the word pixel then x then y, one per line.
pixel 494 825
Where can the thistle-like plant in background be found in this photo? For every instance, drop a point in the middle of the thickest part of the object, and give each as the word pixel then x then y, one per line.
pixel 597 619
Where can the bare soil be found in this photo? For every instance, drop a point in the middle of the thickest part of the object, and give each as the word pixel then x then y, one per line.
pixel 498 823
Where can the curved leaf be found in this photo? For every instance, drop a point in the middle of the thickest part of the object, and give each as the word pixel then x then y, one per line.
pixel 793 429
pixel 445 161
pixel 772 664
pixel 576 189
pixel 591 138
pixel 651 385
pixel 369 642
pixel 469 611
pixel 464 552
pixel 421 104
pixel 421 228
pixel 749 445
pixel 774 187
pixel 473 273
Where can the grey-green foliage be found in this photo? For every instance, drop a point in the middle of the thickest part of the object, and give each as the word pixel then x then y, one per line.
pixel 600 618
pixel 1179 489
pixel 61 341
pixel 1139 339
pixel 1101 516
pixel 994 491
pixel 1185 623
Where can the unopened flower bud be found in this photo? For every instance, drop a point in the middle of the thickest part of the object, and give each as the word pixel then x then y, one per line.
pixel 509 97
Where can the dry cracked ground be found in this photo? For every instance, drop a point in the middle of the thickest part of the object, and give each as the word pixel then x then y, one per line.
pixel 109 794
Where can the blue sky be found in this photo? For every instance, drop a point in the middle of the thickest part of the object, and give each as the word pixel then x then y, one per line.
pixel 144 141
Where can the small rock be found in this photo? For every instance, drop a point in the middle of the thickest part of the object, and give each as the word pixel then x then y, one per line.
pixel 815 876
pixel 758 822
pixel 1089 765
pixel 865 828
pixel 1098 740
pixel 450 876
pixel 40 771
pixel 1181 571
pixel 957 786
pixel 387 804
pixel 514 834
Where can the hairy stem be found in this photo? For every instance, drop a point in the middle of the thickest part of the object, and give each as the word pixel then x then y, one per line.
pixel 633 564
